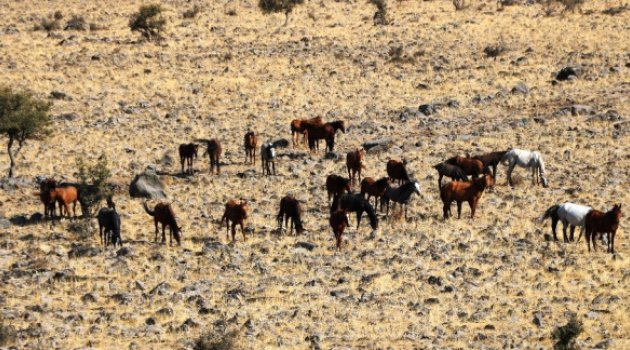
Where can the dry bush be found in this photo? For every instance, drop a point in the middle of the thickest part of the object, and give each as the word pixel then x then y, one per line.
pixel 76 23
pixel 380 16
pixel 213 341
pixel 48 25
pixel 148 21
pixel 564 336
pixel 192 12
pixel 7 334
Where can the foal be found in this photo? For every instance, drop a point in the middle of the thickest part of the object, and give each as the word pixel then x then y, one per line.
pixel 163 213
pixel 250 141
pixel 396 171
pixel 599 222
pixel 237 213
pixel 464 192
pixel 354 163
pixel 187 152
pixel 470 166
pixel 374 188
pixel 336 185
pixel 213 150
pixel 339 221
pixel 290 209
pixel 453 171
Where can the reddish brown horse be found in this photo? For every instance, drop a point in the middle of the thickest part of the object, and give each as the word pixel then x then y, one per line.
pixel 336 185
pixel 187 152
pixel 491 159
pixel 470 166
pixel 298 126
pixel 324 132
pixel 213 150
pixel 354 163
pixel 374 188
pixel 599 222
pixel 290 209
pixel 52 194
pixel 237 213
pixel 250 142
pixel 464 192
pixel 396 171
pixel 339 221
pixel 163 213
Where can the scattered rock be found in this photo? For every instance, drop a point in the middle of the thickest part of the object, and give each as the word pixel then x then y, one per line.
pixel 433 280
pixel 150 321
pixel 249 173
pixel 147 185
pixel 306 245
pixel 385 143
pixel 166 311
pixel 125 251
pixel 161 289
pixel 72 116
pixel 429 109
pixel 581 110
pixel 538 319
pixel 568 73
pixel 122 298
pixel 333 156
pixel 4 223
pixel 82 250
pixel 88 298
pixel 58 95
pixel 520 88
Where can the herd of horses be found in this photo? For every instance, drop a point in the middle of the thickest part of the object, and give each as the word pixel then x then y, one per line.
pixel 397 188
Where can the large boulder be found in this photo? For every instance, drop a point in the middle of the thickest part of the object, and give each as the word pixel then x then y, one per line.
pixel 147 185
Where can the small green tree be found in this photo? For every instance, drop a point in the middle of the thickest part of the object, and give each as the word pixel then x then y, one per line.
pixel 22 117
pixel 277 6
pixel 93 186
pixel 148 21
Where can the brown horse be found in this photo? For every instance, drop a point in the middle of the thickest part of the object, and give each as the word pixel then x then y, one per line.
pixel 62 195
pixel 464 192
pixel 354 163
pixel 491 159
pixel 187 152
pixel 44 195
pixel 237 213
pixel 470 166
pixel 290 209
pixel 163 213
pixel 336 185
pixel 396 171
pixel 325 132
pixel 298 126
pixel 374 188
pixel 213 150
pixel 250 141
pixel 339 221
pixel 599 222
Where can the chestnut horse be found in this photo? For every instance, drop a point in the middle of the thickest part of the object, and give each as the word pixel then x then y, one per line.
pixel 213 150
pixel 354 163
pixel 339 221
pixel 464 192
pixel 62 194
pixel 396 171
pixel 163 213
pixel 237 213
pixel 599 222
pixel 491 159
pixel 290 209
pixel 470 166
pixel 187 152
pixel 298 126
pixel 250 142
pixel 336 185
pixel 374 188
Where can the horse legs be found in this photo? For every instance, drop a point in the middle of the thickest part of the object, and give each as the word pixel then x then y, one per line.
pixel 155 222
pixel 445 209
pixel 459 209
pixel 233 231
pixel 243 231
pixel 359 214
pixel 611 241
pixel 554 224
pixel 509 173
pixel 440 181
pixel 494 171
pixel 227 228
pixel 572 238
pixel 291 229
pixel 100 233
pixel 564 231
pixel 473 208
pixel 273 164
pixel 254 156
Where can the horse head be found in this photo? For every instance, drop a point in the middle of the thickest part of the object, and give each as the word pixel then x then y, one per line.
pixel 617 210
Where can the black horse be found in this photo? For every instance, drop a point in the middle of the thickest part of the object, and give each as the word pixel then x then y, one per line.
pixel 354 202
pixel 400 194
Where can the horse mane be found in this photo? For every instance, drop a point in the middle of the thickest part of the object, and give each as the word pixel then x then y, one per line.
pixel 338 124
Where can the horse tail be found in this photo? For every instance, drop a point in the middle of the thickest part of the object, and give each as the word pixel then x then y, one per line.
pixel 146 208
pixel 552 211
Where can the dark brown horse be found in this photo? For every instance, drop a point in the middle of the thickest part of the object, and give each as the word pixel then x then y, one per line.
pixel 237 213
pixel 453 171
pixel 213 150
pixel 599 222
pixel 374 188
pixel 324 132
pixel 396 171
pixel 336 185
pixel 290 209
pixel 339 221
pixel 354 163
pixel 298 126
pixel 464 192
pixel 250 142
pixel 491 159
pixel 188 152
pixel 44 195
pixel 470 166
pixel 163 213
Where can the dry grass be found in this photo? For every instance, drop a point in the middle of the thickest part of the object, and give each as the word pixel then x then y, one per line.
pixel 496 271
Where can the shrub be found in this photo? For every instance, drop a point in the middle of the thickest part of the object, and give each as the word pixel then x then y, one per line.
pixel 148 21
pixel 58 15
pixel 192 12
pixel 564 336
pixel 569 5
pixel 76 23
pixel 380 16
pixel 22 117
pixel 213 341
pixel 48 25
pixel 459 4
pixel 93 186
pixel 7 334
pixel 277 6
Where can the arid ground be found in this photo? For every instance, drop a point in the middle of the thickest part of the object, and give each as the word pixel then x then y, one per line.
pixel 491 283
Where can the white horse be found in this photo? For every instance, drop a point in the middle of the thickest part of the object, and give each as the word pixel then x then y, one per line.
pixel 570 214
pixel 525 159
